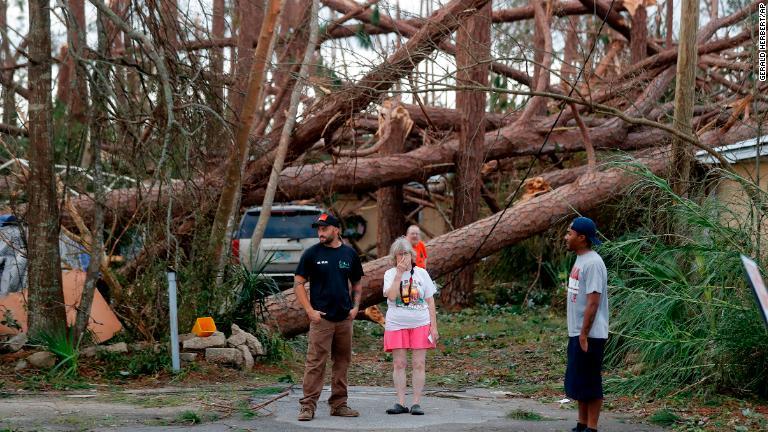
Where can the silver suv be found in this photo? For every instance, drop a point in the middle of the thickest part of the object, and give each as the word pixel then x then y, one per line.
pixel 288 234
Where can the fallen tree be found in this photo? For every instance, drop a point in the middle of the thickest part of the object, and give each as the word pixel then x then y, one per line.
pixel 369 174
pixel 451 251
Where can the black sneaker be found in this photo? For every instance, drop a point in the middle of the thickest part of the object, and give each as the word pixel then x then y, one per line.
pixel 580 427
pixel 397 409
pixel 416 410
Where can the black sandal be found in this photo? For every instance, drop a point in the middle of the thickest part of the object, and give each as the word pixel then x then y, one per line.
pixel 397 409
pixel 416 410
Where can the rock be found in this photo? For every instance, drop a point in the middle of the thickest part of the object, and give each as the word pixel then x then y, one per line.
pixel 247 358
pixel 16 342
pixel 216 340
pixel 224 355
pixel 120 347
pixel 241 337
pixel 141 346
pixel 42 360
pixel 188 356
pixel 186 336
pixel 21 365
pixel 88 352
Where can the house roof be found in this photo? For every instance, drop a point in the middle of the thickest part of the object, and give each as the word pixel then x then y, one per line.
pixel 742 150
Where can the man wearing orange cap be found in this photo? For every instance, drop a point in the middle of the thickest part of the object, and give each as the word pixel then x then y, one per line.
pixel 414 236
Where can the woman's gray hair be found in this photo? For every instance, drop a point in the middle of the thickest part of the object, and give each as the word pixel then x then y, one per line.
pixel 399 246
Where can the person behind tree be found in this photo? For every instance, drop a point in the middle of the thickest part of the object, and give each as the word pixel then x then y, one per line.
pixel 414 236
pixel 587 305
pixel 334 273
pixel 411 322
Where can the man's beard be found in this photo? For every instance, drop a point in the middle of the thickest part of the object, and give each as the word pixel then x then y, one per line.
pixel 326 240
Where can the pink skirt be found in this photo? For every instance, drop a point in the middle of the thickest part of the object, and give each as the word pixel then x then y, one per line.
pixel 415 338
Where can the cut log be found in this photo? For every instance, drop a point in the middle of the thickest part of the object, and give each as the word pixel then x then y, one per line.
pixel 467 245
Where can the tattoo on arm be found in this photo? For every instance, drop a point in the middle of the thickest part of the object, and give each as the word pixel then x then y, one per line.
pixel 357 294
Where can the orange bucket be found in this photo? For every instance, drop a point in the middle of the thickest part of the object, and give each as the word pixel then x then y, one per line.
pixel 204 327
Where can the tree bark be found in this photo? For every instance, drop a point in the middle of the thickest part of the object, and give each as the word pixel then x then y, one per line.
pixel 250 14
pixel 217 55
pixel 6 93
pixel 453 250
pixel 685 95
pixel 77 84
pixel 669 21
pixel 395 125
pixel 46 298
pixel 251 104
pixel 639 34
pixel 473 45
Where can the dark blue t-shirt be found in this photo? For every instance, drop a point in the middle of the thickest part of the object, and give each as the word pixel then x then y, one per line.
pixel 329 271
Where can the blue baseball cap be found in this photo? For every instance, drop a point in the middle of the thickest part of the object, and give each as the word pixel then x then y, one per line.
pixel 586 227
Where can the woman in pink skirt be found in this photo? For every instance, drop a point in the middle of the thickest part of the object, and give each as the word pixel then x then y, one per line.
pixel 411 322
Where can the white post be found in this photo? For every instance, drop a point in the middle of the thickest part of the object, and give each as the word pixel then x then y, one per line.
pixel 175 363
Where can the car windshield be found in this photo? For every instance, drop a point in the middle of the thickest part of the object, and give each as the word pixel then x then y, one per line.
pixel 292 224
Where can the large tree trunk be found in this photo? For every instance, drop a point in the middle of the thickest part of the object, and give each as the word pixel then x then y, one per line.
pixel 685 95
pixel 639 34
pixel 46 298
pixel 395 125
pixel 450 251
pixel 77 84
pixel 473 44
pixel 250 15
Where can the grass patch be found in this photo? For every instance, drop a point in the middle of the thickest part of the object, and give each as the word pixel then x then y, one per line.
pixel 189 417
pixel 664 417
pixel 524 415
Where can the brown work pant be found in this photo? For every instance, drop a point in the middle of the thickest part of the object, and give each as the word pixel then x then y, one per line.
pixel 334 338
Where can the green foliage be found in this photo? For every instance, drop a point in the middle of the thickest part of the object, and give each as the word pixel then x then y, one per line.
pixel 376 16
pixel 62 343
pixel 527 271
pixel 500 99
pixel 363 38
pixel 664 417
pixel 139 363
pixel 520 414
pixel 246 305
pixel 189 417
pixel 684 317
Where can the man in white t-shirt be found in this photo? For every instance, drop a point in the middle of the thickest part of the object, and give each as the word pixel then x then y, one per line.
pixel 587 323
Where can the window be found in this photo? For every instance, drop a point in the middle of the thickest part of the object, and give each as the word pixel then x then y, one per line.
pixel 289 224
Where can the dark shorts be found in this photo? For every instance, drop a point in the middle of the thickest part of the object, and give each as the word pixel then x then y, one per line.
pixel 583 380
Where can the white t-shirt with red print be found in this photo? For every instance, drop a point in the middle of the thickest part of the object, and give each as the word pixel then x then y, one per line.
pixel 588 275
pixel 416 313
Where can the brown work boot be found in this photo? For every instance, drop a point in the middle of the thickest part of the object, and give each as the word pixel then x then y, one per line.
pixel 306 413
pixel 344 411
